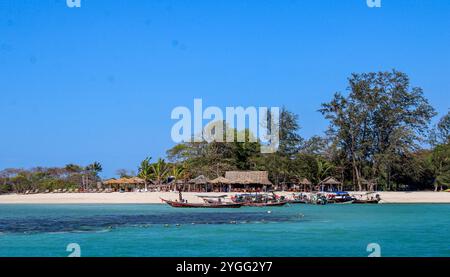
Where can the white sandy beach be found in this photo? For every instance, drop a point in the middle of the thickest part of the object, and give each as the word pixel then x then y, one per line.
pixel 154 197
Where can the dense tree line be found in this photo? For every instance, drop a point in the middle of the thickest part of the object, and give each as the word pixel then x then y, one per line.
pixel 49 179
pixel 379 130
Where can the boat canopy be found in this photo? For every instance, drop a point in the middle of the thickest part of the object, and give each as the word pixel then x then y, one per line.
pixel 341 193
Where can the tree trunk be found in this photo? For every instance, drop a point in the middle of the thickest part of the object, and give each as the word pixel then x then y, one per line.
pixel 389 178
pixel 356 172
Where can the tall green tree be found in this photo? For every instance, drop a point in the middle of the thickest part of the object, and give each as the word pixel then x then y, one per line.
pixel 92 172
pixel 381 119
pixel 440 164
pixel 441 132
pixel 146 171
pixel 290 139
pixel 177 172
pixel 160 171
pixel 95 168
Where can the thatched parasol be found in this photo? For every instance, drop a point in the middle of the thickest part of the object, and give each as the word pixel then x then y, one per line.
pixel 330 181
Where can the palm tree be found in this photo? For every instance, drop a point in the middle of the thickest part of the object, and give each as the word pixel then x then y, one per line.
pixel 323 169
pixel 177 172
pixel 160 171
pixel 145 171
pixel 93 169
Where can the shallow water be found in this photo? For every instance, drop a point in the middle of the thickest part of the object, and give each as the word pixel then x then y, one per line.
pixel 158 230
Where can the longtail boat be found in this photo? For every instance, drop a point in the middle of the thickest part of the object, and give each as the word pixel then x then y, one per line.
pixel 297 201
pixel 177 204
pixel 268 204
pixel 373 201
pixel 259 200
pixel 340 197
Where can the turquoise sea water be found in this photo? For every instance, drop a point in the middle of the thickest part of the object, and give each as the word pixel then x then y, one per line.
pixel 407 230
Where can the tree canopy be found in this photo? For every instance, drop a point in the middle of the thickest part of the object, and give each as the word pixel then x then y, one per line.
pixel 378 130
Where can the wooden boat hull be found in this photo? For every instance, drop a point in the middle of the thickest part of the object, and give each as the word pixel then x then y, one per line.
pixel 297 202
pixel 365 202
pixel 277 204
pixel 205 205
pixel 344 203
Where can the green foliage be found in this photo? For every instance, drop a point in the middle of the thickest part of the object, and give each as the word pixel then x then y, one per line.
pixel 160 171
pixel 69 177
pixel 95 167
pixel 382 119
pixel 441 132
pixel 376 132
pixel 290 140
pixel 440 164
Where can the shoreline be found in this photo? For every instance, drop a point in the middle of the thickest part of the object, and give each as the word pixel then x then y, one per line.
pixel 422 197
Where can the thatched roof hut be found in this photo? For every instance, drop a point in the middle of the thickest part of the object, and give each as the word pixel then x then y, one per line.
pixel 124 180
pixel 120 181
pixel 248 177
pixel 369 185
pixel 136 180
pixel 200 180
pixel 180 182
pixel 123 183
pixel 111 181
pixel 304 182
pixel 330 181
pixel 329 184
pixel 177 183
pixel 221 181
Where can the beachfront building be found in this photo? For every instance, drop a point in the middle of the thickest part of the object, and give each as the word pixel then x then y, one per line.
pixel 248 181
pixel 297 185
pixel 199 184
pixel 221 184
pixel 329 184
pixel 369 185
pixel 124 184
pixel 304 185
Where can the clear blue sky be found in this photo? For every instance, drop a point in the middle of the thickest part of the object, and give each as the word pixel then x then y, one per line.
pixel 99 83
